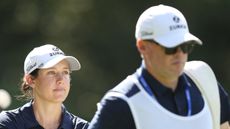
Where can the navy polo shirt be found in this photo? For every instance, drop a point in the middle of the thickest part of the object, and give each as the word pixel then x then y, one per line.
pixel 175 101
pixel 23 118
pixel 116 114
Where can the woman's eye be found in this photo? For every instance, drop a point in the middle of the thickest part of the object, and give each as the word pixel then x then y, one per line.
pixel 51 72
pixel 66 72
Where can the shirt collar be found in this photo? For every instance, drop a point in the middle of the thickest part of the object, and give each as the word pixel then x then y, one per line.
pixel 66 122
pixel 28 114
pixel 158 88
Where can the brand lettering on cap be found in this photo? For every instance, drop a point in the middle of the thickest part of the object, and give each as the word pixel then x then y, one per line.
pixel 144 33
pixel 178 26
pixel 41 65
pixel 56 52
pixel 31 67
pixel 174 27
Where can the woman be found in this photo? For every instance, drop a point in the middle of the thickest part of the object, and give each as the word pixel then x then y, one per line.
pixel 46 83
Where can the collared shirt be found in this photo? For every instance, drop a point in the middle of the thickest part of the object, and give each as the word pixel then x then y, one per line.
pixel 23 118
pixel 115 113
pixel 175 101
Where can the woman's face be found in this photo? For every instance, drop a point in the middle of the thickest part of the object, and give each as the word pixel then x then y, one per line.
pixel 52 84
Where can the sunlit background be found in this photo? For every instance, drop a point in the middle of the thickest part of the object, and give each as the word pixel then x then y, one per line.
pixel 100 33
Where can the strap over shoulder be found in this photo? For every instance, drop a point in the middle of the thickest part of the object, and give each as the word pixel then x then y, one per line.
pixel 205 80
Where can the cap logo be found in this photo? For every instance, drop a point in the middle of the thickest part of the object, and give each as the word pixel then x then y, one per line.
pixel 31 67
pixel 41 65
pixel 176 19
pixel 56 52
pixel 144 33
pixel 177 26
pixel 55 49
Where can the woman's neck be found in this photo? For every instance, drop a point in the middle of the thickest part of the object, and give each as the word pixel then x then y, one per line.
pixel 48 115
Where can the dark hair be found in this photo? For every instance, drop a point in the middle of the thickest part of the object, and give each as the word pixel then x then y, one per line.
pixel 26 90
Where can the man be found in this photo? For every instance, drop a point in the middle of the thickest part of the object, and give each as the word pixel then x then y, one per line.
pixel 160 95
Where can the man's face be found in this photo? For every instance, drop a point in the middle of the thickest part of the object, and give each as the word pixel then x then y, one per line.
pixel 159 63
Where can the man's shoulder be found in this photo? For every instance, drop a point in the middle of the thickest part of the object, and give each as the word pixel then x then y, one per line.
pixel 81 123
pixel 118 96
pixel 78 122
pixel 127 87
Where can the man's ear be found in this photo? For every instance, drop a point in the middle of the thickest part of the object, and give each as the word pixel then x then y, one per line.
pixel 141 45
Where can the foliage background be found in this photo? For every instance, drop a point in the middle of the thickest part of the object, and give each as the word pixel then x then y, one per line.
pixel 100 33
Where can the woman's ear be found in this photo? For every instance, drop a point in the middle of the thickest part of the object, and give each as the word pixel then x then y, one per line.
pixel 29 79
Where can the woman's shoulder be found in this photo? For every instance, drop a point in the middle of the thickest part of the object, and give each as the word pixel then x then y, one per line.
pixel 9 118
pixel 15 118
pixel 8 115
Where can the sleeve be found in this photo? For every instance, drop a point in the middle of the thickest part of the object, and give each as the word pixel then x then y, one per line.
pixel 2 127
pixel 225 104
pixel 6 121
pixel 113 113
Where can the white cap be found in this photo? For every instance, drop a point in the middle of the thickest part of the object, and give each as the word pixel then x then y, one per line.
pixel 5 100
pixel 165 25
pixel 47 56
